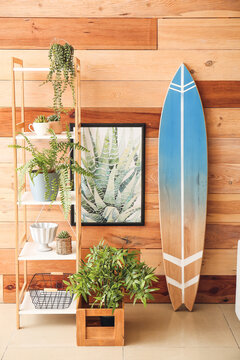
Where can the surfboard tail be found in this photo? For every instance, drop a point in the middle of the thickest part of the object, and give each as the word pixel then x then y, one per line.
pixel 183 278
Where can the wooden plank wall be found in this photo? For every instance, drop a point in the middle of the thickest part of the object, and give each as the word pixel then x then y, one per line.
pixel 129 52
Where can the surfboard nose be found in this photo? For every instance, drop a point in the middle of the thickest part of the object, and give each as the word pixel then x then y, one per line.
pixel 182 76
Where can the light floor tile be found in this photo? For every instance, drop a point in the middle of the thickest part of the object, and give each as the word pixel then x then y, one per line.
pixel 210 332
pixel 63 353
pixel 213 354
pixel 7 323
pixel 144 352
pixel 229 313
pixel 159 325
pixel 45 330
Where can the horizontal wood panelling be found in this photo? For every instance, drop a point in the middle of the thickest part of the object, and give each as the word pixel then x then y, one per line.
pixel 215 262
pixel 81 33
pixel 222 236
pixel 222 151
pixel 134 65
pixel 219 94
pixel 199 34
pixel 148 116
pixel 217 289
pixel 224 178
pixel 218 236
pixel 221 208
pixel 212 289
pixel 125 80
pixel 123 8
pixel 221 123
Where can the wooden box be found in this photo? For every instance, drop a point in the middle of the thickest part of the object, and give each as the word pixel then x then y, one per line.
pixel 89 329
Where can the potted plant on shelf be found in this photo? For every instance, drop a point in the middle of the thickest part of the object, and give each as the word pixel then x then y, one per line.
pixel 106 277
pixel 40 125
pixel 55 123
pixel 64 243
pixel 61 74
pixel 49 170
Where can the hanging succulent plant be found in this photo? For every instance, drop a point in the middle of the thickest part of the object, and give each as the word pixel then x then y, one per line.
pixel 61 73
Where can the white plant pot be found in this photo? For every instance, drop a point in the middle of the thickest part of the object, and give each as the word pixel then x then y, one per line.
pixel 43 233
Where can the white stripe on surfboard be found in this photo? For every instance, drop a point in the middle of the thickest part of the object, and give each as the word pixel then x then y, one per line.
pixel 182 91
pixel 191 82
pixel 185 285
pixel 184 262
pixel 182 179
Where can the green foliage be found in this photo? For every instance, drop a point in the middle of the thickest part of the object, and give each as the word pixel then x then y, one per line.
pixel 54 118
pixel 109 274
pixel 53 159
pixel 112 195
pixel 61 74
pixel 41 119
pixel 63 235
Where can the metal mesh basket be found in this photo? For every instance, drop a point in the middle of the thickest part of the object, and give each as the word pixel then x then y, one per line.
pixel 47 291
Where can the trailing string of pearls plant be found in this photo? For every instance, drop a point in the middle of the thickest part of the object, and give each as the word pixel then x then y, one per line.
pixel 61 74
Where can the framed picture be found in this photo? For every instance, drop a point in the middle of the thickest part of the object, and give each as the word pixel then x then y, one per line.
pixel 116 158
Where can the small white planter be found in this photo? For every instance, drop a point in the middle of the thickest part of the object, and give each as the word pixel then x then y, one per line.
pixel 40 129
pixel 43 233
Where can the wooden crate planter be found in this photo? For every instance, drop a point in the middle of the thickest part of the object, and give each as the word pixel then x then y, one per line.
pixel 91 333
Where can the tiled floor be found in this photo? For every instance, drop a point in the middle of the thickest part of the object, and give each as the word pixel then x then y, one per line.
pixel 157 332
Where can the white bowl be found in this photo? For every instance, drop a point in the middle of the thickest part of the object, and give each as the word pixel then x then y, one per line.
pixel 43 233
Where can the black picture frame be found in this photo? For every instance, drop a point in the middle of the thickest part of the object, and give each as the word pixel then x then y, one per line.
pixel 125 125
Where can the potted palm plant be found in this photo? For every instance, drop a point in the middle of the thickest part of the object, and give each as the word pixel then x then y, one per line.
pixel 49 170
pixel 102 281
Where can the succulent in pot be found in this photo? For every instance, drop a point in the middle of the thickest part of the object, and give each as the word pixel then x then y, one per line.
pixel 49 170
pixel 40 125
pixel 64 243
pixel 55 123
pixel 109 274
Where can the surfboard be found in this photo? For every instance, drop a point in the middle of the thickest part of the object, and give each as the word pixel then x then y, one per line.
pixel 183 174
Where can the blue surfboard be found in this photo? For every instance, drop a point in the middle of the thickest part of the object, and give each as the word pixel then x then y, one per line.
pixel 183 172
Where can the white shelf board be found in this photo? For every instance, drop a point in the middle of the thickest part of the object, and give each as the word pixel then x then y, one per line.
pixel 27 308
pixel 22 69
pixel 33 136
pixel 30 252
pixel 27 199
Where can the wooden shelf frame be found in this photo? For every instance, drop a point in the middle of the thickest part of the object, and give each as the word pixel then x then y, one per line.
pixel 21 240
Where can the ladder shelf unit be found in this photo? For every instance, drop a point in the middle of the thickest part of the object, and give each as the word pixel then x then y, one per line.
pixel 27 250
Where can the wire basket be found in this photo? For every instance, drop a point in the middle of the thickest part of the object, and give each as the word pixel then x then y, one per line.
pixel 47 291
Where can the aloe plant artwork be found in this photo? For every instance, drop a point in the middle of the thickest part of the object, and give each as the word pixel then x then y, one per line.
pixel 114 194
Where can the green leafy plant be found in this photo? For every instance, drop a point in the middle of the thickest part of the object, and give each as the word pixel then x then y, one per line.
pixel 54 118
pixel 61 74
pixel 41 119
pixel 109 274
pixel 63 235
pixel 53 159
pixel 113 194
